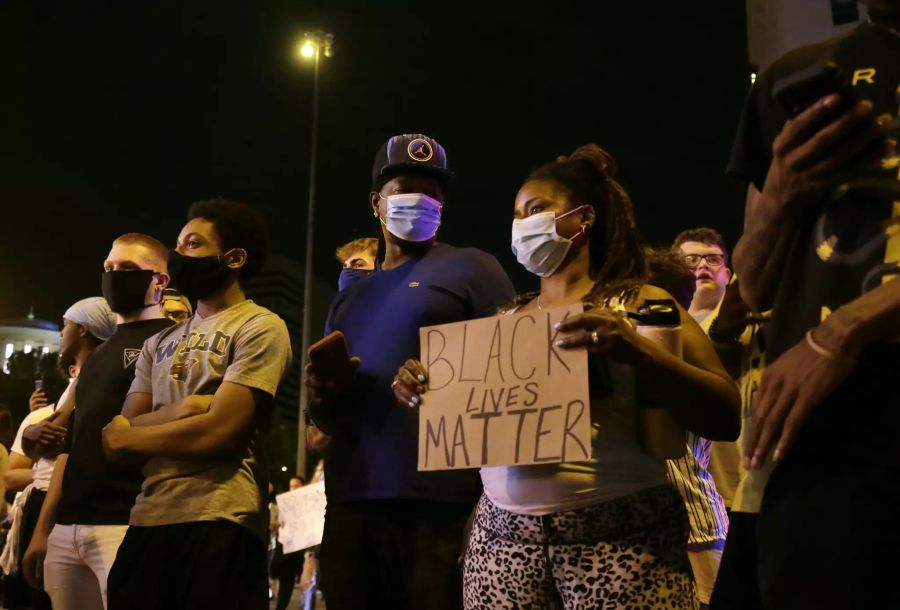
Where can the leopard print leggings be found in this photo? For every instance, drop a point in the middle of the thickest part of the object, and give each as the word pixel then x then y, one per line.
pixel 628 553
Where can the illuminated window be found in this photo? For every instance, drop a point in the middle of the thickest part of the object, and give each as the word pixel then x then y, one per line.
pixel 45 350
pixel 9 350
pixel 27 349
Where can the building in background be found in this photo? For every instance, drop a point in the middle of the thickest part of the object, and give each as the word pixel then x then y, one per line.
pixel 26 335
pixel 279 288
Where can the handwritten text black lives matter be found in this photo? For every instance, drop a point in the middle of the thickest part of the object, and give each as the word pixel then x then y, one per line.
pixel 500 393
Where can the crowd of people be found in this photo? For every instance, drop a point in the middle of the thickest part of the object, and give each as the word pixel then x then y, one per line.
pixel 752 466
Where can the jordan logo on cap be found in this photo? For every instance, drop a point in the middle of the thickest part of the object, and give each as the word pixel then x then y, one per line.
pixel 419 150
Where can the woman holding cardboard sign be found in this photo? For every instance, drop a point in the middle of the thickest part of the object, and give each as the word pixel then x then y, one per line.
pixel 608 532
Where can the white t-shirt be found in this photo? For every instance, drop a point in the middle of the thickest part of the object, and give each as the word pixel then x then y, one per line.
pixel 43 468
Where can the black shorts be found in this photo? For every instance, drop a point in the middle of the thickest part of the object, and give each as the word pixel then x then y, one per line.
pixel 189 566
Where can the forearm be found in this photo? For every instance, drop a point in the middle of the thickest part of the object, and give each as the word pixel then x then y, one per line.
pixel 163 415
pixel 36 451
pixel 17 479
pixel 191 437
pixel 762 250
pixel 47 518
pixel 705 403
pixel 872 317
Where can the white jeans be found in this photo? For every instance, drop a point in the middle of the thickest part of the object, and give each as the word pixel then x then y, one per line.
pixel 79 558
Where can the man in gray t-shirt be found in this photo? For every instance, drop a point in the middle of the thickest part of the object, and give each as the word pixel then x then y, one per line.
pixel 201 398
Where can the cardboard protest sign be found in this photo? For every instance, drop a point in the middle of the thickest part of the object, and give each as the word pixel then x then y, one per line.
pixel 500 393
pixel 303 513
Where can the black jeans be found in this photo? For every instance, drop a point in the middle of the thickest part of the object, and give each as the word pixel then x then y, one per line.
pixel 203 565
pixel 398 554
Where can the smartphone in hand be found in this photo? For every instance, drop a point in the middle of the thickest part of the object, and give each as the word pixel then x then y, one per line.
pixel 330 359
pixel 797 92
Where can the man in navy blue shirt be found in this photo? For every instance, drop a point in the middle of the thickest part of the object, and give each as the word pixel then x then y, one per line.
pixel 393 534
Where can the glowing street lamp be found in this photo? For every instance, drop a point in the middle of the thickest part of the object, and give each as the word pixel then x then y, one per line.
pixel 313 46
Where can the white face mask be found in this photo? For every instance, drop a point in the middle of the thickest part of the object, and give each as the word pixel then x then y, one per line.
pixel 537 245
pixel 412 216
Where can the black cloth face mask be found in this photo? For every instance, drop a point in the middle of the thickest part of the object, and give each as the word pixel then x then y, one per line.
pixel 125 291
pixel 197 277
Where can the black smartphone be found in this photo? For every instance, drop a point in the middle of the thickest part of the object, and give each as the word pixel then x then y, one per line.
pixel 797 92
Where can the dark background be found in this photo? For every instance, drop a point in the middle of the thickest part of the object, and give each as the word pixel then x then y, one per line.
pixel 114 117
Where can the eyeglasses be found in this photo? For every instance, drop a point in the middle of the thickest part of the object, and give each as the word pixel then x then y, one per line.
pixel 713 260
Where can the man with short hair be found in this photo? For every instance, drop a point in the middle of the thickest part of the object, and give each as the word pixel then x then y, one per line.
pixel 200 402
pixel 361 253
pixel 86 325
pixel 409 523
pixel 85 515
pixel 358 259
pixel 703 250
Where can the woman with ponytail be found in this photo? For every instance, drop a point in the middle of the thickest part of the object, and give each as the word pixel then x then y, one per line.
pixel 609 532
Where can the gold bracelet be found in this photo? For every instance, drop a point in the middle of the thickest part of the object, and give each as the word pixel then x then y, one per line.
pixel 826 353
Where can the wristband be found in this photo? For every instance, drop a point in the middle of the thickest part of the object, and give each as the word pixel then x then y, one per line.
pixel 826 353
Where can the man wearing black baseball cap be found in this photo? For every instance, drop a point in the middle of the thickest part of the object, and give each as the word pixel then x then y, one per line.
pixel 393 534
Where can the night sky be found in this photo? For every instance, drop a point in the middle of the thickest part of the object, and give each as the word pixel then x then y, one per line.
pixel 114 117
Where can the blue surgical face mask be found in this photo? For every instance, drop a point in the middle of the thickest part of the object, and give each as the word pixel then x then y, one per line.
pixel 536 244
pixel 348 277
pixel 412 216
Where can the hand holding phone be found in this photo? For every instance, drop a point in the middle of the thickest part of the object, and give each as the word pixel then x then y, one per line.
pixel 797 92
pixel 330 371
pixel 830 139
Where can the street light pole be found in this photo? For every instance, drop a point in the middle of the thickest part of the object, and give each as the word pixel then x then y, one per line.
pixel 318 43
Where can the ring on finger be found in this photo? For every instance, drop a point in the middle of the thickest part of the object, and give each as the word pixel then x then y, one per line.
pixel 595 338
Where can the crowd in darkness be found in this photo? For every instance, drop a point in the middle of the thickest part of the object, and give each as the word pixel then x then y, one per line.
pixel 749 463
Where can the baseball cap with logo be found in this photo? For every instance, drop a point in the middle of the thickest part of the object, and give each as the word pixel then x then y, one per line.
pixel 410 153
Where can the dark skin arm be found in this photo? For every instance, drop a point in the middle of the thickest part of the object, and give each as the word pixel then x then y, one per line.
pixel 223 430
pixel 801 379
pixel 327 390
pixel 45 439
pixel 317 442
pixel 729 325
pixel 806 162
pixel 138 409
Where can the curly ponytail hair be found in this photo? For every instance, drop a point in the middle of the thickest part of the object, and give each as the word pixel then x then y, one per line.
pixel 618 261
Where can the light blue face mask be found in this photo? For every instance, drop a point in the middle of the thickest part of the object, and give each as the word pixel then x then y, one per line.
pixel 412 216
pixel 537 245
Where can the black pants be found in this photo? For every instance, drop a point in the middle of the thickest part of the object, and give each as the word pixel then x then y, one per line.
pixel 396 554
pixel 18 593
pixel 737 585
pixel 285 568
pixel 207 565
pixel 828 531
